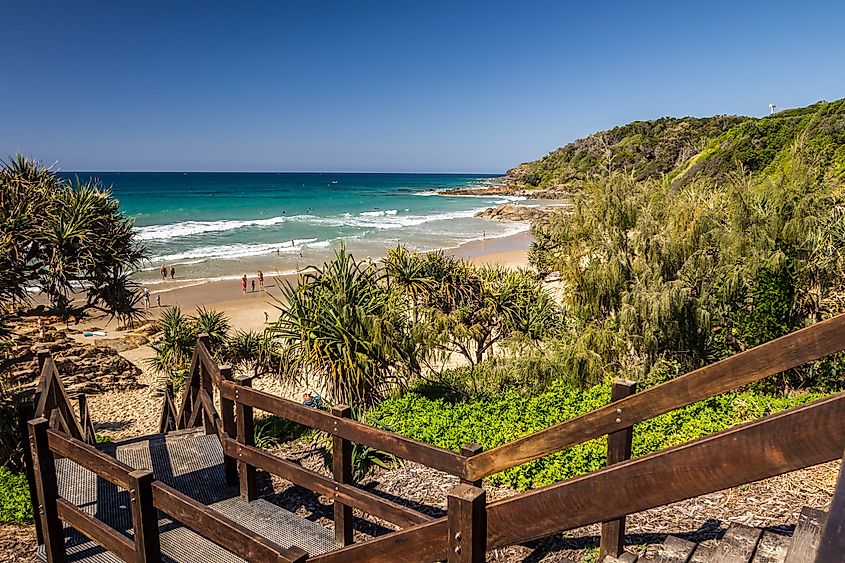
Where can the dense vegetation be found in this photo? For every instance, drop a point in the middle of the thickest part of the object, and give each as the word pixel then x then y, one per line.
pixel 692 274
pixel 69 240
pixel 363 330
pixel 683 149
pixel 493 421
pixel 689 240
pixel 177 337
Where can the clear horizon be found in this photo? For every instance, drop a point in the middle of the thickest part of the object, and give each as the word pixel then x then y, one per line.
pixel 388 87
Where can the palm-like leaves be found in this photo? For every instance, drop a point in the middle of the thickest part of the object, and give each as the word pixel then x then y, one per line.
pixel 343 326
pixel 69 239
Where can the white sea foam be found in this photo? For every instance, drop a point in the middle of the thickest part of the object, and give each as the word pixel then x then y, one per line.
pixel 384 221
pixel 383 213
pixel 187 228
pixel 230 251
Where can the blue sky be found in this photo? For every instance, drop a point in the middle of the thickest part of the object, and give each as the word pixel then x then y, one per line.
pixel 388 86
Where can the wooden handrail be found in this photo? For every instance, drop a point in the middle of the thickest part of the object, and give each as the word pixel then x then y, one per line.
pixel 188 397
pixel 91 458
pixel 806 345
pixel 97 530
pixel 221 530
pixel 783 442
pixel 51 395
pixel 311 480
pixel 400 446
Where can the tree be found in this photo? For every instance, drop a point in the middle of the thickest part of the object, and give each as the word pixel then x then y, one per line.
pixel 343 326
pixel 692 274
pixel 68 239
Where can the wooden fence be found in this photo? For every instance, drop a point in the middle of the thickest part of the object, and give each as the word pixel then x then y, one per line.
pixel 777 444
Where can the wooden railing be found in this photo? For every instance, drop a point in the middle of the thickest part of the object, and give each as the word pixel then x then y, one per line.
pixel 147 496
pixel 780 443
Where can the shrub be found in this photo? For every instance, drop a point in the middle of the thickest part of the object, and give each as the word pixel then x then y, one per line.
pixel 15 504
pixel 495 422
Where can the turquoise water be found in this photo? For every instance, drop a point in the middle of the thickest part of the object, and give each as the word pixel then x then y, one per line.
pixel 210 225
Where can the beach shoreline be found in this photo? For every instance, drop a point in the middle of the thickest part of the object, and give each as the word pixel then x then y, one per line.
pixel 246 310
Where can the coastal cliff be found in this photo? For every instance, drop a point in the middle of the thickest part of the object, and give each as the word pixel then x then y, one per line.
pixel 682 149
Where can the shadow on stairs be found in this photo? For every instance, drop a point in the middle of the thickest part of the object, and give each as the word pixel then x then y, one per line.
pixel 742 544
pixel 192 463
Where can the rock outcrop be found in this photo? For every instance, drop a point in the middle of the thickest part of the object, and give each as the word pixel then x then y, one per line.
pixel 515 212
pixel 84 368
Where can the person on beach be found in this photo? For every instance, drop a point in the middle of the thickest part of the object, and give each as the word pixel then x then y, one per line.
pixel 146 298
pixel 260 280
pixel 172 273
pixel 243 284
pixel 158 300
pixel 163 272
pixel 266 317
pixel 253 286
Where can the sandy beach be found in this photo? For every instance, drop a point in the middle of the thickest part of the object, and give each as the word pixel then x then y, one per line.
pixel 125 413
pixel 246 311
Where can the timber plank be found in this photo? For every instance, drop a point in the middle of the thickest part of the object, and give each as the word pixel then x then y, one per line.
pixel 778 444
pixel 96 530
pixel 675 550
pixel 427 542
pixel 344 493
pixel 352 430
pixel 797 348
pixel 771 548
pixel 103 465
pixel 703 554
pixel 738 544
pixel 221 530
pixel 832 541
pixel 805 540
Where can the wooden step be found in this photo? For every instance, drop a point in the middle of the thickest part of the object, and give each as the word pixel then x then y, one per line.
pixel 805 541
pixel 772 548
pixel 625 557
pixel 703 554
pixel 675 550
pixel 737 545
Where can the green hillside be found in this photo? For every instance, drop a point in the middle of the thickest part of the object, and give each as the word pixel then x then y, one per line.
pixel 680 149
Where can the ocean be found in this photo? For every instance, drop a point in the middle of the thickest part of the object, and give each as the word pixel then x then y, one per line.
pixel 221 225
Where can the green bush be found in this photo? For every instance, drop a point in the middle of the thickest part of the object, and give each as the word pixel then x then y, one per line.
pixel 270 430
pixel 15 504
pixel 495 422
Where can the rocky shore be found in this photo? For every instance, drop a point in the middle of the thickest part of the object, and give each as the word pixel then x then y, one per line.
pixel 90 368
pixel 515 212
pixel 506 189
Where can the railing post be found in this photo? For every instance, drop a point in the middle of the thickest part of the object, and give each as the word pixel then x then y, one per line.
pixel 618 450
pixel 205 384
pixel 469 450
pixel 89 435
pixel 42 356
pixel 44 471
pixel 26 412
pixel 342 473
pixel 832 539
pixel 467 516
pixel 227 415
pixel 246 436
pixel 144 517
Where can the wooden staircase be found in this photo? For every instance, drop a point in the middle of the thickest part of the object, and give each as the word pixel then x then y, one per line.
pixel 776 444
pixel 743 544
